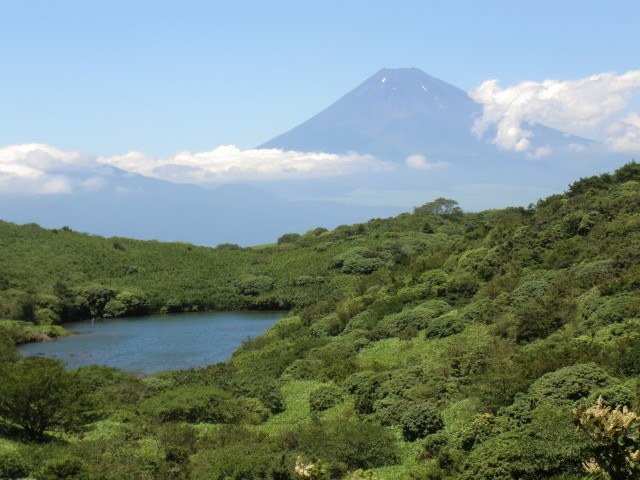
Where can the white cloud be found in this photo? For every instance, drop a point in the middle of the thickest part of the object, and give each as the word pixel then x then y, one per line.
pixel 590 107
pixel 420 162
pixel 44 157
pixel 625 134
pixel 39 169
pixel 229 163
pixel 539 153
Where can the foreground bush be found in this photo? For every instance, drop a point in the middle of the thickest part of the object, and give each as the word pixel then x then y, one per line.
pixel 12 464
pixel 67 467
pixel 38 394
pixel 195 403
pixel 325 397
pixel 615 433
pixel 349 444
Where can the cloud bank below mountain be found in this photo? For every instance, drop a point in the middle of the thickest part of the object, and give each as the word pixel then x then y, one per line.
pixel 39 169
pixel 228 163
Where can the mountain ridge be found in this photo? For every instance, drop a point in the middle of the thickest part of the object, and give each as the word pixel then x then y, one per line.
pixel 132 205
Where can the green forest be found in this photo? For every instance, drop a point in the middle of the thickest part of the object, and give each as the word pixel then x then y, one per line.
pixel 438 344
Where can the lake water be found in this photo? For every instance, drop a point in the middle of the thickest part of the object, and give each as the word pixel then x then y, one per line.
pixel 156 342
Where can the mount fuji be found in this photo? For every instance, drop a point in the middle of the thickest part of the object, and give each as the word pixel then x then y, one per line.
pixel 401 112
pixel 423 127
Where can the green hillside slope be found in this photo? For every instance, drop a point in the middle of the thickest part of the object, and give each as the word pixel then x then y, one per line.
pixel 434 345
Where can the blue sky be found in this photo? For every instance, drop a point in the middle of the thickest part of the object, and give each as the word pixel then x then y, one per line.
pixel 108 77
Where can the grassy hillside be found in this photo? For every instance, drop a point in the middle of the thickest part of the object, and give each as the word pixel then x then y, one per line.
pixel 434 345
pixel 48 277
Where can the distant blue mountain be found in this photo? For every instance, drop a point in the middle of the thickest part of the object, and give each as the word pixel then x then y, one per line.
pixel 131 205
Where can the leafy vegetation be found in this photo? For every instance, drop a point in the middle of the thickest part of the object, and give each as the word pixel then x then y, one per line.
pixel 433 345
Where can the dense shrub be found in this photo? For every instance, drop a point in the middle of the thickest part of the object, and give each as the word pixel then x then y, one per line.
pixel 596 182
pixel 45 316
pixel 103 390
pixel 264 389
pixel 433 444
pixel 317 231
pixel 414 293
pixel 358 261
pixel 237 454
pixel 434 280
pixel 325 397
pixel 228 246
pixel 268 362
pixel 390 409
pixel 612 310
pixel 462 285
pixel 362 321
pixel 421 420
pixel 255 284
pixel 623 354
pixel 364 386
pixel 481 428
pixel 400 382
pixel 195 403
pixel 445 326
pixel 615 395
pixel 528 291
pixel 536 313
pixel 349 444
pixel 8 341
pixel 12 464
pixel 38 394
pixel 564 386
pixel 338 358
pixel 172 305
pixel 361 265
pixel 66 467
pixel 416 318
pixel 289 238
pixel 306 369
pixel 126 304
pixel 306 280
pixel 547 446
pixel 97 296
pixel 328 326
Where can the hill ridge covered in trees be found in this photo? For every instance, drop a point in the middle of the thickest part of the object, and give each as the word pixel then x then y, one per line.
pixel 433 345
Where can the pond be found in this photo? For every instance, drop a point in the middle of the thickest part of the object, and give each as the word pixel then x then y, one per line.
pixel 157 342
